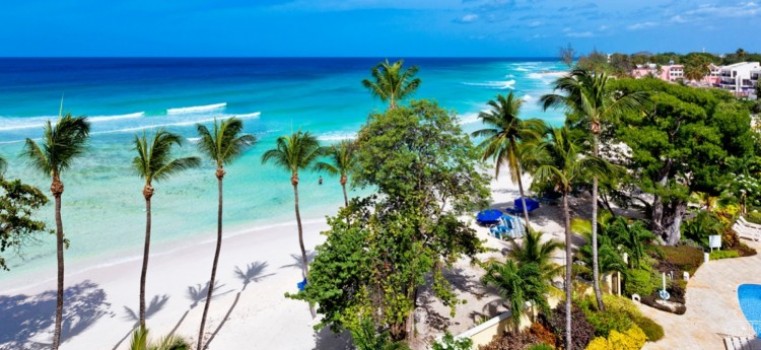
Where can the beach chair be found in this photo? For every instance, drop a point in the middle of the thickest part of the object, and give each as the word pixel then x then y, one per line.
pixel 747 229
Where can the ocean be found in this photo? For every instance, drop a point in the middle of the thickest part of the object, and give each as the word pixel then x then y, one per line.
pixel 103 205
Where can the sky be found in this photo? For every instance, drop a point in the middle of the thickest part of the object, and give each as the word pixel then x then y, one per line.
pixel 377 28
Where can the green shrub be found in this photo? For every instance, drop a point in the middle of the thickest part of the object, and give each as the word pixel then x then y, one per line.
pixel 448 342
pixel 640 282
pixel 604 322
pixel 615 304
pixel 724 254
pixel 541 347
pixel 653 330
pixel 683 257
pixel 701 226
pixel 754 217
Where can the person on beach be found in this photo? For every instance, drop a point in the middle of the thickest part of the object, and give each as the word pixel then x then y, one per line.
pixel 319 181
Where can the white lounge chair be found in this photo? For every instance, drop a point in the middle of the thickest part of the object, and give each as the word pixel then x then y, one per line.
pixel 742 343
pixel 747 230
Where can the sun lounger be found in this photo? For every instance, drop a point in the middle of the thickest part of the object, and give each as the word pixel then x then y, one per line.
pixel 747 230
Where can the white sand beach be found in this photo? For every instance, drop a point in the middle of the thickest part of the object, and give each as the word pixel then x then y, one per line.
pixel 101 301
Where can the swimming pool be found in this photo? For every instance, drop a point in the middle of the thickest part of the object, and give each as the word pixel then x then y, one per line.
pixel 749 296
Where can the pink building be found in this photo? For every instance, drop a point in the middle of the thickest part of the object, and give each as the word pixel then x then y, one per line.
pixel 674 73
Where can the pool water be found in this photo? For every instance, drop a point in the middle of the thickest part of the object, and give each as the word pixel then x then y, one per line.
pixel 749 296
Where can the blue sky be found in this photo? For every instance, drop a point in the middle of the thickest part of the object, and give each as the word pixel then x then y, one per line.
pixel 523 28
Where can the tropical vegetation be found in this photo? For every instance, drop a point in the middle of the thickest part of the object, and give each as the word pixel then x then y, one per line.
pixel 298 151
pixel 223 144
pixel 61 145
pixel 506 136
pixel 154 163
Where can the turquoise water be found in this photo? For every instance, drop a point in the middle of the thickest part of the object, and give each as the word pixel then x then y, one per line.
pixel 103 205
pixel 749 296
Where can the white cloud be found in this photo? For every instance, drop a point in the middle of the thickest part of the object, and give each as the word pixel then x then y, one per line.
pixel 742 9
pixel 471 17
pixel 586 34
pixel 642 25
pixel 677 19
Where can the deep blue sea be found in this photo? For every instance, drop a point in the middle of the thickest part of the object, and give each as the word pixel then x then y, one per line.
pixel 103 204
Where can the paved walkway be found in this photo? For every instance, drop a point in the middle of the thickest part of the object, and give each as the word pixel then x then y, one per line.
pixel 713 311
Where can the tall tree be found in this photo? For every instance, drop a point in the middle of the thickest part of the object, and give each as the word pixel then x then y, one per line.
pixel 680 145
pixel 382 250
pixel 567 55
pixel 391 82
pixel 18 202
pixel 154 163
pixel 222 145
pixel 62 143
pixel 560 164
pixel 586 95
pixel 504 133
pixel 342 160
pixel 296 152
pixel 696 67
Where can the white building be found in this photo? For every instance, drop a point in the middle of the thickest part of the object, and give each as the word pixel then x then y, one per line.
pixel 737 77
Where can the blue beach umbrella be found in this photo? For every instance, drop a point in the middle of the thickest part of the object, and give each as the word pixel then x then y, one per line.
pixel 488 216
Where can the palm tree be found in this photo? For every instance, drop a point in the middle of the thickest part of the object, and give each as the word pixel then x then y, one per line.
pixel 62 143
pixel 154 162
pixel 560 163
pixel 342 161
pixel 391 83
pixel 587 96
pixel 534 251
pixel 504 132
pixel 223 144
pixel 293 153
pixel 518 283
pixel 140 342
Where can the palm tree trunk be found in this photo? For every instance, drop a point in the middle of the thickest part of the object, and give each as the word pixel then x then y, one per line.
pixel 304 267
pixel 343 186
pixel 220 175
pixel 59 249
pixel 147 192
pixel 595 261
pixel 523 198
pixel 568 271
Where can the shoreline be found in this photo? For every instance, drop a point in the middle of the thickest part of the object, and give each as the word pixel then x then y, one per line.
pixel 10 285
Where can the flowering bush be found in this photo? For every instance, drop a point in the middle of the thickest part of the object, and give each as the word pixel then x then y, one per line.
pixel 633 339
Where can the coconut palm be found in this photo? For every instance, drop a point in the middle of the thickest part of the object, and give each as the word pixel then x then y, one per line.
pixel 533 251
pixel 589 100
pixel 154 163
pixel 504 133
pixel 61 144
pixel 222 145
pixel 391 83
pixel 518 283
pixel 560 163
pixel 293 153
pixel 140 342
pixel 341 162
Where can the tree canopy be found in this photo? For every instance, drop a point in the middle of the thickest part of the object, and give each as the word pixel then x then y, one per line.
pixel 680 145
pixel 381 250
pixel 18 202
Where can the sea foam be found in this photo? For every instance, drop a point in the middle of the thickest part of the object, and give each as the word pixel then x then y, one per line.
pixel 196 109
pixel 502 85
pixel 17 123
